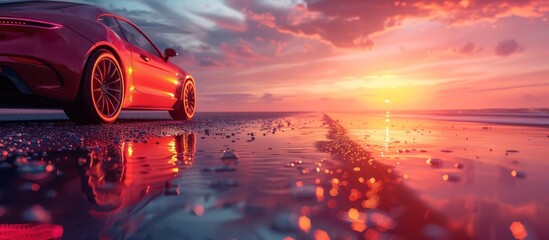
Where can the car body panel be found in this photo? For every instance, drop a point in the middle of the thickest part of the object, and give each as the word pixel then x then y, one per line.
pixel 159 93
pixel 50 75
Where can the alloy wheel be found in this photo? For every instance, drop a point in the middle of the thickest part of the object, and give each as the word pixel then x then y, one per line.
pixel 107 87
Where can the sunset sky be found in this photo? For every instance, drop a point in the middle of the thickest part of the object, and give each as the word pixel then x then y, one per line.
pixel 291 55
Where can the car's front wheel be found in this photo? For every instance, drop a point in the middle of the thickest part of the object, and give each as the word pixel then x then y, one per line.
pixel 186 104
pixel 101 92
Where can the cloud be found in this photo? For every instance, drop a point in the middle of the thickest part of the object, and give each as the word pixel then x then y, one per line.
pixel 530 85
pixel 209 62
pixel 228 98
pixel 241 98
pixel 507 47
pixel 224 22
pixel 467 49
pixel 269 97
pixel 328 99
pixel 352 23
pixel 241 48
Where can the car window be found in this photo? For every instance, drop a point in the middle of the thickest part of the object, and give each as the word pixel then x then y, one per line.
pixel 112 24
pixel 137 38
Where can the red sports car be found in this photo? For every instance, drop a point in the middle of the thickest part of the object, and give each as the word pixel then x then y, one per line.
pixel 88 61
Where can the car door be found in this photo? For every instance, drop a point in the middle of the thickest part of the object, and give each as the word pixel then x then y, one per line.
pixel 154 82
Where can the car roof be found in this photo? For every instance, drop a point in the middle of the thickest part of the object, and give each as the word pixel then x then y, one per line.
pixel 39 5
pixel 81 9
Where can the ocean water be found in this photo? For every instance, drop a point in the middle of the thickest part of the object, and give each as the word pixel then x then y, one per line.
pixel 536 117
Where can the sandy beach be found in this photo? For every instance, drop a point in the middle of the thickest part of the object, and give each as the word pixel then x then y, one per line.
pixel 272 176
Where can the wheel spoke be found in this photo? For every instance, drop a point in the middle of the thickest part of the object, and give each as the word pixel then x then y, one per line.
pixel 98 101
pixel 114 98
pixel 100 71
pixel 111 105
pixel 104 70
pixel 101 104
pixel 105 110
pixel 107 64
pixel 113 82
pixel 105 105
pixel 114 90
pixel 97 78
pixel 112 71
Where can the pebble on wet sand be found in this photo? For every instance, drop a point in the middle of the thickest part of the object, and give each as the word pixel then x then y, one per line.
pixel 451 178
pixel 229 155
pixel 518 174
pixel 434 162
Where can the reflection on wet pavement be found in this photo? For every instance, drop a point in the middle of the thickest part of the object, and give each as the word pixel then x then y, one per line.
pixel 485 179
pixel 232 176
pixel 214 177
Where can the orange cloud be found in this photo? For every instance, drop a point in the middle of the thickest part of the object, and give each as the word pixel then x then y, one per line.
pixel 352 23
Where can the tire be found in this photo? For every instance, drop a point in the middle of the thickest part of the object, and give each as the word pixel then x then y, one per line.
pixel 101 93
pixel 185 107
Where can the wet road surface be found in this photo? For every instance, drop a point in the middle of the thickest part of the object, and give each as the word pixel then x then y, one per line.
pixel 220 176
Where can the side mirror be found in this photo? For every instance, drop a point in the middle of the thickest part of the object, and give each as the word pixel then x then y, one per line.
pixel 168 53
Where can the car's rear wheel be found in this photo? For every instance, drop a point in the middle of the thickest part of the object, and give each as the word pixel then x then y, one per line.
pixel 186 105
pixel 101 92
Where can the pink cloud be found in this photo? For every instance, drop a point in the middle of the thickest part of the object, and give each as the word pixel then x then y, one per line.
pixel 241 49
pixel 269 97
pixel 466 49
pixel 278 46
pixel 300 14
pixel 507 47
pixel 239 53
pixel 352 23
pixel 473 11
pixel 266 19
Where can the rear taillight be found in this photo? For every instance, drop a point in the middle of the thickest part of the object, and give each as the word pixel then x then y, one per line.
pixel 28 23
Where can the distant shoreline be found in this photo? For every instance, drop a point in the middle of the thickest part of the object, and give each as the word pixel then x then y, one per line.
pixel 535 118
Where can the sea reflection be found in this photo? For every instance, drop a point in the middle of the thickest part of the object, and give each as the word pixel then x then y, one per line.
pixel 368 195
pixel 482 179
pixel 387 130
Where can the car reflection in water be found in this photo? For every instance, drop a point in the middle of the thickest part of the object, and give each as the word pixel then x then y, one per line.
pixel 117 177
pixel 44 198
